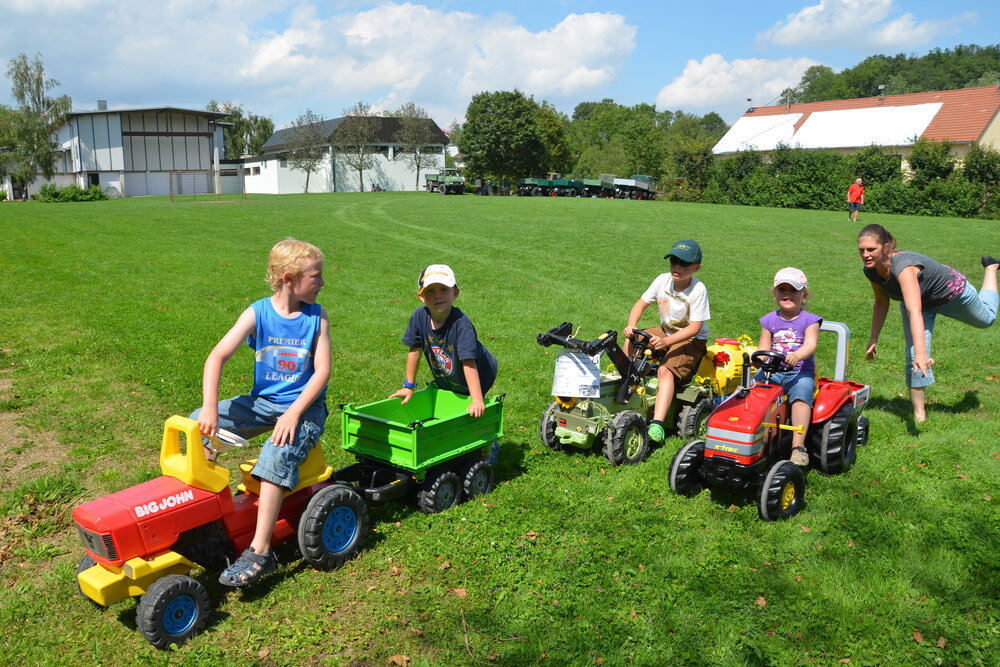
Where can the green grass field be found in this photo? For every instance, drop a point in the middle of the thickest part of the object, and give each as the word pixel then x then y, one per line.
pixel 109 309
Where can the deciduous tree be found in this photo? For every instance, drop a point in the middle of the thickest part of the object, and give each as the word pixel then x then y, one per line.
pixel 31 125
pixel 307 144
pixel 412 139
pixel 500 136
pixel 247 133
pixel 356 138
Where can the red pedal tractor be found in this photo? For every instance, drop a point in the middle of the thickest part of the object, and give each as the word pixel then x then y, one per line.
pixel 146 540
pixel 746 446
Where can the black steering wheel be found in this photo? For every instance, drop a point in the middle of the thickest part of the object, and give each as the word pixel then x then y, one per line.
pixel 768 360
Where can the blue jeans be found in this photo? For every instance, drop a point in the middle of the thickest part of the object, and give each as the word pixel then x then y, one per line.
pixel 247 417
pixel 978 309
pixel 798 386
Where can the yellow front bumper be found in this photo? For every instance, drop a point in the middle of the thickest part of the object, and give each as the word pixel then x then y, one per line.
pixel 106 584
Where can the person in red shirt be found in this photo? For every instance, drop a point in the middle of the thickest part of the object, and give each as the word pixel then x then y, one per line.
pixel 855 199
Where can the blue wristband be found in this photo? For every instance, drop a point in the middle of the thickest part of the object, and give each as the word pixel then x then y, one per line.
pixel 408 385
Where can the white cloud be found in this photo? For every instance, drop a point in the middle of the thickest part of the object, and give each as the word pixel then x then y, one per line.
pixel 279 56
pixel 715 83
pixel 858 24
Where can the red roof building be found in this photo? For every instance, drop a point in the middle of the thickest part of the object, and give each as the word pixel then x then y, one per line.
pixel 964 117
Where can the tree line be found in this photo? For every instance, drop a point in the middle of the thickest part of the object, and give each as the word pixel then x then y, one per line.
pixel 940 69
pixel 509 135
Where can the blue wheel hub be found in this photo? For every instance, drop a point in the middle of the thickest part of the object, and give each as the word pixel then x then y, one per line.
pixel 339 529
pixel 180 614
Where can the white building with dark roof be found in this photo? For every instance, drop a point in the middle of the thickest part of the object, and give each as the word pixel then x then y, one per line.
pixel 271 174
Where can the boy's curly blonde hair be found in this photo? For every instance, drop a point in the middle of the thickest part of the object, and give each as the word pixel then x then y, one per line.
pixel 289 255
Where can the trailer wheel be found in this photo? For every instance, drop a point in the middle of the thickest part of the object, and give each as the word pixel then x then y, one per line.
pixel 782 492
pixel 478 480
pixel 571 192
pixel 333 527
pixel 692 420
pixel 172 610
pixel 685 469
pixel 628 443
pixel 443 189
pixel 536 191
pixel 441 493
pixel 547 428
pixel 834 444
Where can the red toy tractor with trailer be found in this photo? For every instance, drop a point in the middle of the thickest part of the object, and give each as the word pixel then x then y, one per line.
pixel 146 540
pixel 747 443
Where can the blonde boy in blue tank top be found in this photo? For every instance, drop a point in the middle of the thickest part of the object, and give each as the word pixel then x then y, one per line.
pixel 290 335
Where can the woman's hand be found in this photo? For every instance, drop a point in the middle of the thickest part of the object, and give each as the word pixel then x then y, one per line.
pixel 922 363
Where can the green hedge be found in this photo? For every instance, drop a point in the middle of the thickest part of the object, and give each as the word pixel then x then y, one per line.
pixel 818 179
pixel 51 193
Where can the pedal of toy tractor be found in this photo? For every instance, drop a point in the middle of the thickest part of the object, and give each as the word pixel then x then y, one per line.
pixel 377 484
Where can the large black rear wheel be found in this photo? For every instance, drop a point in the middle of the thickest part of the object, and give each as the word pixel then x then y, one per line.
pixel 333 528
pixel 834 443
pixel 692 420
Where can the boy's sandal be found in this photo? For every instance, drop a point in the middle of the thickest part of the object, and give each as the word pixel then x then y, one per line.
pixel 249 567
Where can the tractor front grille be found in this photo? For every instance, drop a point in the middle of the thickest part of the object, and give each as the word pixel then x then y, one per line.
pixel 102 545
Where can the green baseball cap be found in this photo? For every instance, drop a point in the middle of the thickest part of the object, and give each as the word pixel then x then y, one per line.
pixel 686 250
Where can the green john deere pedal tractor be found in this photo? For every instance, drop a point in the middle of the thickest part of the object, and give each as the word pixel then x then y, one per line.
pixel 611 407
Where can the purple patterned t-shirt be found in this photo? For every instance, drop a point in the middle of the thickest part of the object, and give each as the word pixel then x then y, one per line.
pixel 789 335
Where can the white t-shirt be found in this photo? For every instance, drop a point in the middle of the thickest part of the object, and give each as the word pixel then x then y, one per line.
pixel 678 309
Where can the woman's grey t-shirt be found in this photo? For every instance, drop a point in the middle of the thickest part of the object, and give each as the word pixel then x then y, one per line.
pixel 939 283
pixel 446 348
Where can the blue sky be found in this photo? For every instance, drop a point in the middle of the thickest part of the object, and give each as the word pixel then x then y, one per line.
pixel 279 57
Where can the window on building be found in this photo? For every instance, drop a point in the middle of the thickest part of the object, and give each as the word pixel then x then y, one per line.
pixel 256 171
pixel 282 163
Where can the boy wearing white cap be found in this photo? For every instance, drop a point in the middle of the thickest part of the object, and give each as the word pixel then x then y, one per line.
pixel 792 331
pixel 446 337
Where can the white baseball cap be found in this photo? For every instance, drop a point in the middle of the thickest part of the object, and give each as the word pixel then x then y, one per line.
pixel 436 274
pixel 791 276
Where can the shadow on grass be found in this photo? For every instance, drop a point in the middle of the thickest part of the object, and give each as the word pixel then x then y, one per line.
pixel 901 407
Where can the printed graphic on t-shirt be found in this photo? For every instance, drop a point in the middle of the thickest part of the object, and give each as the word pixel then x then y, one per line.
pixel 440 360
pixel 783 340
pixel 956 283
pixel 283 364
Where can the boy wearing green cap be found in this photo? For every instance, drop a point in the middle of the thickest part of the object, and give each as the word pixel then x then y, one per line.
pixel 681 339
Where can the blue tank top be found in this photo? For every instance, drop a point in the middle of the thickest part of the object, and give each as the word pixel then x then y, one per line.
pixel 283 359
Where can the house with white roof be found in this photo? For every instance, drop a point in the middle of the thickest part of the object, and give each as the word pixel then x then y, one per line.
pixel 894 122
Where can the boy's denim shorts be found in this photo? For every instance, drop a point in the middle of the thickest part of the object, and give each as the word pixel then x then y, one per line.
pixel 798 386
pixel 248 416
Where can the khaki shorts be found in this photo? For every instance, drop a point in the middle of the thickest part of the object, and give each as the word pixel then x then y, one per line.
pixel 681 359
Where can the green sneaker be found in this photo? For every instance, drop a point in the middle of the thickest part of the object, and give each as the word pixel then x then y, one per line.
pixel 656 433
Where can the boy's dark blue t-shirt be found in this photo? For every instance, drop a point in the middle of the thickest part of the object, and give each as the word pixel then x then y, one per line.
pixel 447 347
